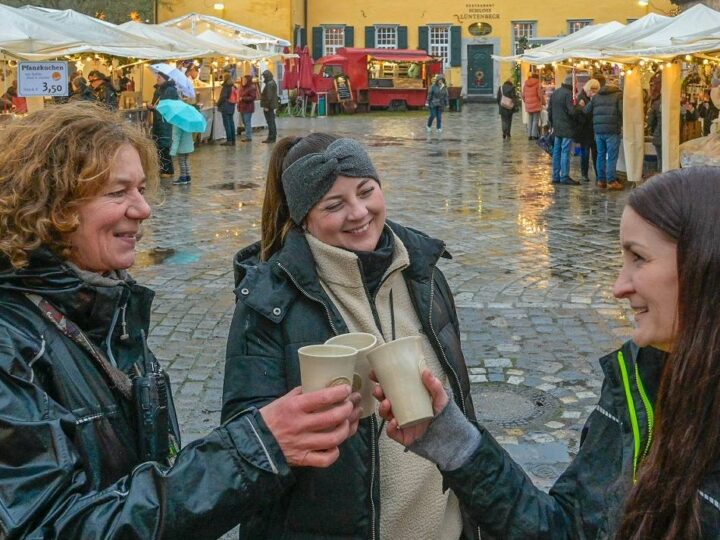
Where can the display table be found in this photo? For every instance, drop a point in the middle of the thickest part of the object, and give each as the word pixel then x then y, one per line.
pixel 218 129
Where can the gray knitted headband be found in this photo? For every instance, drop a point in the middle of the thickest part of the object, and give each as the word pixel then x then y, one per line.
pixel 307 180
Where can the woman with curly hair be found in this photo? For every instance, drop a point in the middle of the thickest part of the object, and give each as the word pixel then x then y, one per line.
pixel 647 468
pixel 89 443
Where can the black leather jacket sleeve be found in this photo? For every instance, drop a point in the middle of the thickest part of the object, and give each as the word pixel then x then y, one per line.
pixel 214 482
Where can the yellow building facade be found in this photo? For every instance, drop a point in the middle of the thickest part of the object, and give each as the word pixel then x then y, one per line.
pixel 465 33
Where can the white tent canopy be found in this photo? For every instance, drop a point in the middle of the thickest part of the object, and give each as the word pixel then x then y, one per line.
pixel 196 23
pixel 91 35
pixel 174 36
pixel 229 48
pixel 23 34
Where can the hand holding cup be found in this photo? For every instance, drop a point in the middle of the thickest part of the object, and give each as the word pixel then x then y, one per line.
pixel 310 427
pixel 409 435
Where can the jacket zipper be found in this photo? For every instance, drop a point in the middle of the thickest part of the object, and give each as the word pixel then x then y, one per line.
pixel 373 435
pixel 311 297
pixel 437 341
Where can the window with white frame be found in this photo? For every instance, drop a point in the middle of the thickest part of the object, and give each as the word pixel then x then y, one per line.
pixel 333 39
pixel 522 29
pixel 386 36
pixel 577 24
pixel 439 43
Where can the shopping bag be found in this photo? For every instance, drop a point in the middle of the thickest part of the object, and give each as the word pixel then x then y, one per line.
pixel 546 142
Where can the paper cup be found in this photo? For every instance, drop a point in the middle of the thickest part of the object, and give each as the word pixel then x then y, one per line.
pixel 398 366
pixel 363 343
pixel 322 366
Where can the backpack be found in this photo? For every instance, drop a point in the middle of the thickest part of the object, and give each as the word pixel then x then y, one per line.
pixel 234 95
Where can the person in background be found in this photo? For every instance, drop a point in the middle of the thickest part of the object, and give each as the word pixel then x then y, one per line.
pixel 269 103
pixel 584 134
pixel 161 129
pixel 79 458
pixel 507 90
pixel 437 100
pixel 328 263
pixel 246 105
pixel 105 92
pixel 709 109
pixel 182 147
pixel 18 104
pixel 81 91
pixel 647 466
pixel 562 114
pixel 533 96
pixel 606 108
pixel 654 123
pixel 226 106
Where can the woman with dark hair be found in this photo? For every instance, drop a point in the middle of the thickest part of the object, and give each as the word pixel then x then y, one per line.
pixel 161 128
pixel 226 105
pixel 507 106
pixel 329 263
pixel 650 451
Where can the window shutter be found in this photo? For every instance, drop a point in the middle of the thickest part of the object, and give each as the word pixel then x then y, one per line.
pixel 369 37
pixel 423 38
pixel 303 37
pixel 402 37
pixel 349 36
pixel 455 46
pixel 317 44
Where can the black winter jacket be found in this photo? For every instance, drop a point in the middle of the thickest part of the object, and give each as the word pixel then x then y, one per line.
pixel 107 95
pixel 587 500
pixel 584 133
pixel 654 121
pixel 606 108
pixel 162 130
pixel 68 461
pixel 562 112
pixel 282 307
pixel 507 90
pixel 223 102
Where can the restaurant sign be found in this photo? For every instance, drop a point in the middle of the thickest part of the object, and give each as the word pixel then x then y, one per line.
pixel 477 12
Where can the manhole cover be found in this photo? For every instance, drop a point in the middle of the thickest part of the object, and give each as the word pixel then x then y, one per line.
pixel 235 186
pixel 508 405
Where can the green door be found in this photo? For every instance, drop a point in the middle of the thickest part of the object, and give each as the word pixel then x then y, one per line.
pixel 480 70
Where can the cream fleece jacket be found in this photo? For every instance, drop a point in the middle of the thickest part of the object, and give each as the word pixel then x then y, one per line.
pixel 412 502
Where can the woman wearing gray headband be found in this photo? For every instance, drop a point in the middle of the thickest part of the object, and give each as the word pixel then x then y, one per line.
pixel 330 263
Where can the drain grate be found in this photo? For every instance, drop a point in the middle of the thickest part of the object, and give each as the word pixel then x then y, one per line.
pixel 512 406
pixel 235 186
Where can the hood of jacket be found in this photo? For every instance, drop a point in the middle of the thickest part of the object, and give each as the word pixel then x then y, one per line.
pixel 532 82
pixel 94 304
pixel 608 89
pixel 267 75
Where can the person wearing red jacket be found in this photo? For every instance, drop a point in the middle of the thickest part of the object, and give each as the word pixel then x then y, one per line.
pixel 534 99
pixel 246 105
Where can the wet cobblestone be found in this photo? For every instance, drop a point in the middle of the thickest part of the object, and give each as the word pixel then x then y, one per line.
pixel 532 265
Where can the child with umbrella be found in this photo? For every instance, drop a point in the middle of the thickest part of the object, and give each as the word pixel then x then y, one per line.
pixel 185 120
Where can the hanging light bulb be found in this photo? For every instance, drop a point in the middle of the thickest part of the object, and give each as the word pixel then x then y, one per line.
pixel 688 58
pixel 706 62
pixel 668 65
pixel 642 63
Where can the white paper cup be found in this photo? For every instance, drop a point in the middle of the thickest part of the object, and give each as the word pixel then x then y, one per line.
pixel 363 343
pixel 398 366
pixel 322 366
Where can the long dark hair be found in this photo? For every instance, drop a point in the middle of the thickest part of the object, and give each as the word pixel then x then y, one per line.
pixel 276 221
pixel 665 504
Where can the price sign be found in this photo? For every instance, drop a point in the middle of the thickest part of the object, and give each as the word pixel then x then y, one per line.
pixel 42 79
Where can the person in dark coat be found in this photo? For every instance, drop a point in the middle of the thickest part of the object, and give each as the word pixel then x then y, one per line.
pixel 584 134
pixel 654 123
pixel 562 114
pixel 269 102
pixel 246 105
pixel 648 458
pixel 330 263
pixel 437 100
pixel 226 106
pixel 606 108
pixel 81 91
pixel 708 110
pixel 507 90
pixel 161 129
pixel 105 91
pixel 78 456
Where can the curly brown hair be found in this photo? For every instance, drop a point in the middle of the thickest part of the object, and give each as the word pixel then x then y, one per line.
pixel 52 161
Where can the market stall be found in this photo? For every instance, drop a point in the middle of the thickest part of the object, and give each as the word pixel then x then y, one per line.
pixel 651 46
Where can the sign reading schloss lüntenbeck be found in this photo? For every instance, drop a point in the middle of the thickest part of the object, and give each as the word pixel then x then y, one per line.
pixel 478 12
pixel 42 79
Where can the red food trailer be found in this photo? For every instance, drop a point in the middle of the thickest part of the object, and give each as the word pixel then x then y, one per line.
pixel 379 77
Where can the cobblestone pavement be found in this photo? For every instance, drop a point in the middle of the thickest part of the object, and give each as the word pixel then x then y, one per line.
pixel 532 270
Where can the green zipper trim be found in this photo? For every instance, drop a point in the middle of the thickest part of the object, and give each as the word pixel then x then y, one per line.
pixel 633 414
pixel 648 410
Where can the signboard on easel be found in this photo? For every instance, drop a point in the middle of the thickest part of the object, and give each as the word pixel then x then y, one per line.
pixel 343 88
